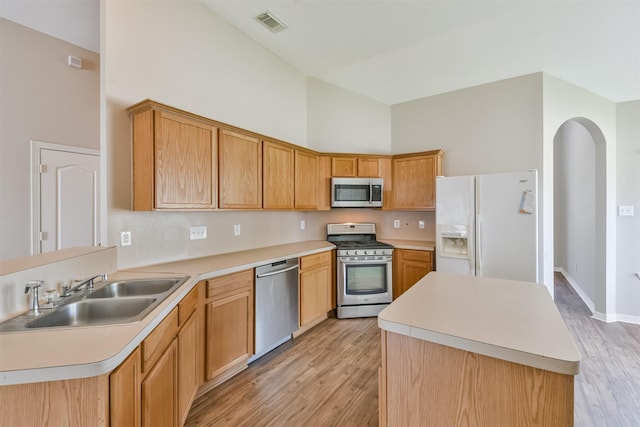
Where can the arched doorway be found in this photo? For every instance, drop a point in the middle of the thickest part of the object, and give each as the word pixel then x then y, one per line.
pixel 580 211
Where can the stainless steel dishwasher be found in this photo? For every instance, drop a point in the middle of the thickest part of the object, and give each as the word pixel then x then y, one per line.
pixel 276 300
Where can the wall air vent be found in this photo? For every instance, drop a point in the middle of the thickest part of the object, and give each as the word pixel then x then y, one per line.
pixel 269 20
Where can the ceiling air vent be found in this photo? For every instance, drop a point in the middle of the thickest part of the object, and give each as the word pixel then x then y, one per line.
pixel 270 21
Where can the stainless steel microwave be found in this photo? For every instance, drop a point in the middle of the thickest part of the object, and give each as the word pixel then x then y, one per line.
pixel 356 192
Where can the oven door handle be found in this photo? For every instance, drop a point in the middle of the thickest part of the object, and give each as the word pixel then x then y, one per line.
pixel 365 261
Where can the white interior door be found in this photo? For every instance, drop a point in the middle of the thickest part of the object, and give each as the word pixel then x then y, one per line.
pixel 66 197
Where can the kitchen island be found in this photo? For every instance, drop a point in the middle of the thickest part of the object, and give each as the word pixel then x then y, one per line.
pixel 462 350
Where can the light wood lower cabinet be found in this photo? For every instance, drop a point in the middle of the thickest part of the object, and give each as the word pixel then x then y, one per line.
pixel 124 391
pixel 229 325
pixel 409 266
pixel 190 352
pixel 157 383
pixel 316 287
pixel 160 390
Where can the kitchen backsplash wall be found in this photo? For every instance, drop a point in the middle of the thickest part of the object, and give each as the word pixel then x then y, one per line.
pixel 409 223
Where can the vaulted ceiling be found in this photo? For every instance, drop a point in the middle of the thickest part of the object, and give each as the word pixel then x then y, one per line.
pixel 397 50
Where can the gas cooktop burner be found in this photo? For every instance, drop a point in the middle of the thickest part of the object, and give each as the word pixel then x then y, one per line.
pixel 354 244
pixel 356 240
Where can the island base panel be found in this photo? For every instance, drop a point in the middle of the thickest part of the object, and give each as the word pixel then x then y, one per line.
pixel 427 384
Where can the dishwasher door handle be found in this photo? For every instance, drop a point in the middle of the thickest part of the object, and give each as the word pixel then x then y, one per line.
pixel 272 273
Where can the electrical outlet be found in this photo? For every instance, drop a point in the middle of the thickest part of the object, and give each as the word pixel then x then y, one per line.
pixel 396 223
pixel 197 233
pixel 125 238
pixel 236 229
pixel 421 225
pixel 303 225
pixel 625 210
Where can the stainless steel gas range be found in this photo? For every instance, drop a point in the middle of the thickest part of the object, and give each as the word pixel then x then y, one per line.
pixel 364 285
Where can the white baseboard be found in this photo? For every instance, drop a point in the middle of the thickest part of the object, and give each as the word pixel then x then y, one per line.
pixel 590 304
pixel 603 317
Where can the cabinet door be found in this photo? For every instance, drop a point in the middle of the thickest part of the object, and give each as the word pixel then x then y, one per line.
pixel 315 293
pixel 344 166
pixel 412 265
pixel 229 332
pixel 307 180
pixel 368 168
pixel 414 181
pixel 316 286
pixel 188 371
pixel 160 391
pixel 124 392
pixel 240 166
pixel 278 176
pixel 185 163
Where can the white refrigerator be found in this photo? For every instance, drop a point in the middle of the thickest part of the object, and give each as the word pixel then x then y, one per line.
pixel 486 225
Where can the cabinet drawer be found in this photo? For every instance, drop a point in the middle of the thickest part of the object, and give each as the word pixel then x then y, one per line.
pixel 188 305
pixel 414 255
pixel 231 284
pixel 315 260
pixel 154 345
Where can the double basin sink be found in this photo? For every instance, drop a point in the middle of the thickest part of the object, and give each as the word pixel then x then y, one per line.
pixel 111 302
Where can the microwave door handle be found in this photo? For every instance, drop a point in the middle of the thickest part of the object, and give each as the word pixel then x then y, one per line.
pixel 370 192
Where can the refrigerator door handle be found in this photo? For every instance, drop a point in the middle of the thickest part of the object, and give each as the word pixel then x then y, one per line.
pixel 479 248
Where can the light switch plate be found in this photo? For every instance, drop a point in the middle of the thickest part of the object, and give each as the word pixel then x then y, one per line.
pixel 396 223
pixel 236 229
pixel 421 225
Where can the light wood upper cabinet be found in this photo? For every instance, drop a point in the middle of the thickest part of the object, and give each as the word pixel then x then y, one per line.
pixel 307 180
pixel 344 166
pixel 368 168
pixel 240 170
pixel 356 166
pixel 324 183
pixel 414 180
pixel 277 175
pixel 174 160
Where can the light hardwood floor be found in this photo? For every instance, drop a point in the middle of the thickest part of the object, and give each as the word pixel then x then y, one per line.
pixel 607 390
pixel 328 376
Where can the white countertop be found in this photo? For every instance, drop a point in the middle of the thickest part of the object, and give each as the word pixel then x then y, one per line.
pixel 80 352
pixel 509 320
pixel 419 245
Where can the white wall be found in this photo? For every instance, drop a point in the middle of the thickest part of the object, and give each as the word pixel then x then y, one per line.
pixel 575 206
pixel 628 228
pixel 181 54
pixel 564 101
pixel 340 121
pixel 44 100
pixel 496 127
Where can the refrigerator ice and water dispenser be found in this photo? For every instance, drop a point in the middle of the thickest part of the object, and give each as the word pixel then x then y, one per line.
pixel 454 242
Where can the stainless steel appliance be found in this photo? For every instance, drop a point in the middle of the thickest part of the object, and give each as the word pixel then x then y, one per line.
pixel 356 192
pixel 364 285
pixel 276 305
